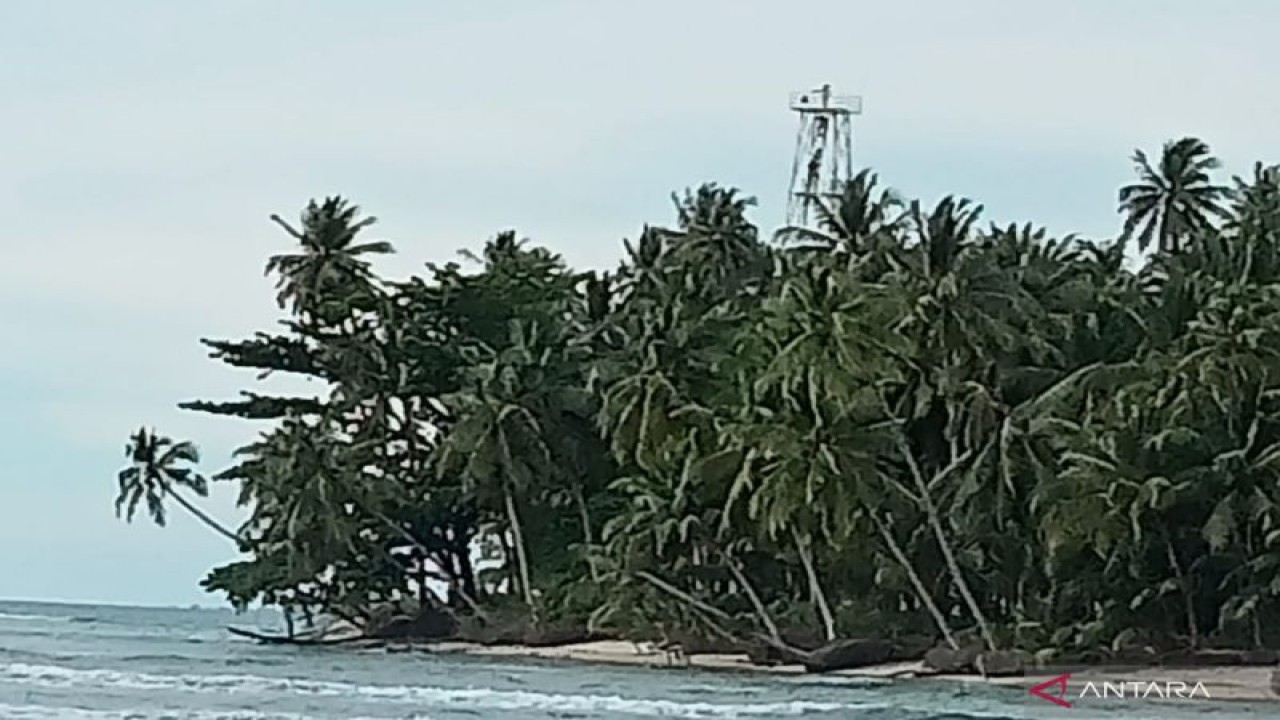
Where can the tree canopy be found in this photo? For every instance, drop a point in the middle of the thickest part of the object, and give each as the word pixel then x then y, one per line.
pixel 906 421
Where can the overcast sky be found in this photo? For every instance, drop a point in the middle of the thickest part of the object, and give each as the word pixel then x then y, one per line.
pixel 144 143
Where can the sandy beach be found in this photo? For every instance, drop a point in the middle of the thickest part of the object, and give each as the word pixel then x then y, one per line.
pixel 1234 683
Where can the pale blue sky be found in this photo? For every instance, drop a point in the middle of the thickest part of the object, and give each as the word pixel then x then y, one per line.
pixel 143 144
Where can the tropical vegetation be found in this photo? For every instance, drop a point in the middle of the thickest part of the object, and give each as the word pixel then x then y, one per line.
pixel 903 421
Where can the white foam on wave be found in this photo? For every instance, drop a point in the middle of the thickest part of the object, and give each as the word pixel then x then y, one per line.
pixel 54 676
pixel 23 617
pixel 50 712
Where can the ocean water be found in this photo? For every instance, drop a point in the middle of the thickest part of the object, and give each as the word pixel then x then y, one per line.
pixel 85 662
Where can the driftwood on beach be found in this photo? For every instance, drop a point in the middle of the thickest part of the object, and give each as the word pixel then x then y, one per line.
pixel 273 639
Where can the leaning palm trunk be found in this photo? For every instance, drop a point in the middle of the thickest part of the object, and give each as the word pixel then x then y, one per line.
pixel 203 517
pixel 914 578
pixel 815 586
pixel 450 574
pixel 934 519
pixel 708 613
pixel 522 558
pixel 756 603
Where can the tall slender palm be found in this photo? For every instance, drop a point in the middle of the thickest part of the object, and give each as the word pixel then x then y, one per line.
pixel 806 440
pixel 509 418
pixel 961 309
pixel 1179 198
pixel 157 470
pixel 329 261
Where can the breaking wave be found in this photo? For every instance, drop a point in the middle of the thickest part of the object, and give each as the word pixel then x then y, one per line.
pixel 53 676
pixel 48 712
pixel 24 617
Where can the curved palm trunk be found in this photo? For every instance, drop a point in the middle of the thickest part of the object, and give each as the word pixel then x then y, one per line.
pixel 934 519
pixel 203 517
pixel 522 558
pixel 815 586
pixel 914 578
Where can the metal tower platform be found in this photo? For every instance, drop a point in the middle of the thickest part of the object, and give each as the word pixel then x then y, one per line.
pixel 823 160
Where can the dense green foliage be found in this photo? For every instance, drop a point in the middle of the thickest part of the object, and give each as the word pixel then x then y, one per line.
pixel 907 422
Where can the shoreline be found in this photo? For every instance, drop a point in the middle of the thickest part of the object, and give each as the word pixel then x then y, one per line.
pixel 1237 683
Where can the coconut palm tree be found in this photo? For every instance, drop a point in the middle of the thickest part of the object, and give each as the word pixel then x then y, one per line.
pixel 330 265
pixel 508 419
pixel 159 468
pixel 822 438
pixel 862 218
pixel 715 250
pixel 1175 200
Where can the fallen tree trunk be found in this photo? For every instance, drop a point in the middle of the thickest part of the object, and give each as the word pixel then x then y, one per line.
pixel 269 639
pixel 790 654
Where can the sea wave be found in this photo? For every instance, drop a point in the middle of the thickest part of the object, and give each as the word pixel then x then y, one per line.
pixel 31 629
pixel 188 660
pixel 50 712
pixel 53 676
pixel 23 655
pixel 24 617
pixel 35 658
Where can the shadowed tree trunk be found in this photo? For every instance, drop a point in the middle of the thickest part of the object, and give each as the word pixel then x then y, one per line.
pixel 585 516
pixel 753 597
pixel 815 586
pixel 913 577
pixel 522 558
pixel 1188 600
pixel 934 519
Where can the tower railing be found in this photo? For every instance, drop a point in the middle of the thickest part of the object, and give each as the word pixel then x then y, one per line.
pixel 815 101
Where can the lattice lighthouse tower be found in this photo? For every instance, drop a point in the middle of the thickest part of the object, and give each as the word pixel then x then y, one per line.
pixel 824 151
